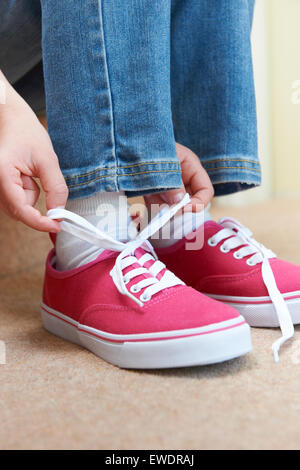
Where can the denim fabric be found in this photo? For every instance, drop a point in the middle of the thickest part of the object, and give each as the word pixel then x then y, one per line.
pixel 123 80
pixel 213 98
pixel 107 83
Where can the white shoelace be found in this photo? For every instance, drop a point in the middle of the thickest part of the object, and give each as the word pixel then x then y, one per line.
pixel 81 228
pixel 236 235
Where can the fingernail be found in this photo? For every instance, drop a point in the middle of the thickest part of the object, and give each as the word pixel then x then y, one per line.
pixel 172 198
pixel 178 197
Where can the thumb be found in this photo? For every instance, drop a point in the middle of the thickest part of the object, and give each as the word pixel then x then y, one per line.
pixel 174 196
pixel 53 182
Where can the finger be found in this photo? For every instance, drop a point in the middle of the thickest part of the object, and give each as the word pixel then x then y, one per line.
pixel 52 181
pixel 174 196
pixel 34 219
pixel 197 203
pixel 195 178
pixel 14 204
pixel 153 203
pixel 31 188
pixel 199 186
pixel 202 188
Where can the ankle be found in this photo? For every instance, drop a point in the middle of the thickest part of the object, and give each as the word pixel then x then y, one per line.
pixel 179 227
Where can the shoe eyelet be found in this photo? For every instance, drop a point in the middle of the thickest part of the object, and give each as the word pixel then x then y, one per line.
pixel 145 298
pixel 224 249
pixel 211 242
pixel 134 289
pixel 249 262
pixel 236 255
pixel 126 280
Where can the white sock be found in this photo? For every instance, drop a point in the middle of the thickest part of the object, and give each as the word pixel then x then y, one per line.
pixel 108 211
pixel 180 226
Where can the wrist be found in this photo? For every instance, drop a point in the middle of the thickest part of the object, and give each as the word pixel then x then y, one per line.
pixel 10 100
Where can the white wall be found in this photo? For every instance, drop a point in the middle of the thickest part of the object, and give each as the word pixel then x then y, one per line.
pixel 284 37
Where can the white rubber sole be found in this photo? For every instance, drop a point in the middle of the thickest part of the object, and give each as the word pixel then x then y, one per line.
pixel 182 348
pixel 259 311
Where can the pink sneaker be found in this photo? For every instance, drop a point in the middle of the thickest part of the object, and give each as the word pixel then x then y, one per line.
pixel 234 268
pixel 127 308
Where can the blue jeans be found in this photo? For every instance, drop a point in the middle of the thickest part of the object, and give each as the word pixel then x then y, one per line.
pixel 124 80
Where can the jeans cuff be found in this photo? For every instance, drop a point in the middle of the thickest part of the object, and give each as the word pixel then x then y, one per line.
pixel 136 179
pixel 231 174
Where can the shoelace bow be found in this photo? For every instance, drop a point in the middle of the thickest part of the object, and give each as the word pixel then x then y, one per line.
pixel 235 235
pixel 81 228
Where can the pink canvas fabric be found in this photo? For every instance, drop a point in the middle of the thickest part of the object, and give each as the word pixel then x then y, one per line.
pixel 88 295
pixel 211 271
pixel 129 309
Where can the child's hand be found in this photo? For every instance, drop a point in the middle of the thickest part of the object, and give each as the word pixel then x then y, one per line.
pixel 195 180
pixel 26 153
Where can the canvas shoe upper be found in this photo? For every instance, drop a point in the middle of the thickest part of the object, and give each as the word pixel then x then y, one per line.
pixel 237 270
pixel 127 308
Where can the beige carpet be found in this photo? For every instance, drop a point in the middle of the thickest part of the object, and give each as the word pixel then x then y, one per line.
pixel 56 395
